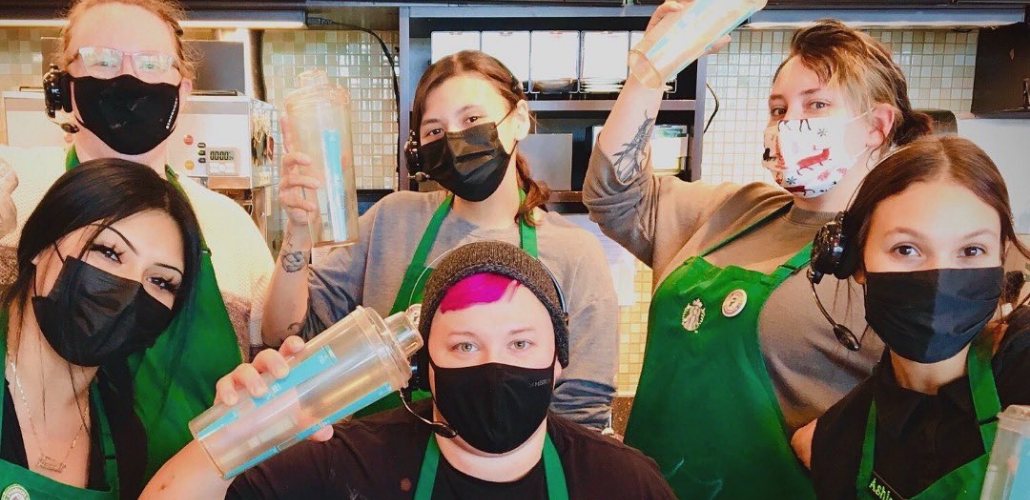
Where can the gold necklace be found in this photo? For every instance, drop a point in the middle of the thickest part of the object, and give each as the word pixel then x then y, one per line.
pixel 45 461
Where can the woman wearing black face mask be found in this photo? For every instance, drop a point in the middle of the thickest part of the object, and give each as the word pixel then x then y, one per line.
pixel 496 342
pixel 926 236
pixel 126 79
pixel 470 113
pixel 104 263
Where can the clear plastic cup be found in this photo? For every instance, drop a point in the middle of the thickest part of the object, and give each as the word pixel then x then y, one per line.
pixel 352 364
pixel 319 121
pixel 1008 473
pixel 681 38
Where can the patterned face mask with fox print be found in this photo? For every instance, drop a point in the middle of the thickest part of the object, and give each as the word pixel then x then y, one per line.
pixel 808 157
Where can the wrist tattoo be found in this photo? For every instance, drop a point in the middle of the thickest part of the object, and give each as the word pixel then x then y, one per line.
pixel 630 160
pixel 290 259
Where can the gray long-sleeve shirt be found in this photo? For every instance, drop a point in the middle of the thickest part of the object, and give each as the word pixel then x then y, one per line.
pixel 664 221
pixel 370 273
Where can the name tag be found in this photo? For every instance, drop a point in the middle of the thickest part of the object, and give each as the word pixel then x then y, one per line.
pixel 881 490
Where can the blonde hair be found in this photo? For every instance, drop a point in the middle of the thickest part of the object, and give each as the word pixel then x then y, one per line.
pixel 168 11
pixel 864 70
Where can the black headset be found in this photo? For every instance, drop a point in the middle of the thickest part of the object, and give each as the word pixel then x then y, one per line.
pixel 420 367
pixel 832 253
pixel 57 96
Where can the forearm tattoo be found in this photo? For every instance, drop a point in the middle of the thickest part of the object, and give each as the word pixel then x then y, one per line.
pixel 630 160
pixel 292 259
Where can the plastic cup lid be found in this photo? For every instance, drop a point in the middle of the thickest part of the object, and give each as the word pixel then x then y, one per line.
pixel 1015 418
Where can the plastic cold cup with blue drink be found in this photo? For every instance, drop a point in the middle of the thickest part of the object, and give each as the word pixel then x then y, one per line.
pixel 1008 473
pixel 682 37
pixel 352 364
pixel 318 114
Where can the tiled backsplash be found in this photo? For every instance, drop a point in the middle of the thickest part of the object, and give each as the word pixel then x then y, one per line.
pixel 939 66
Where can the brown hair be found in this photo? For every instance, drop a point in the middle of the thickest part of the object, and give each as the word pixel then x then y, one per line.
pixel 864 70
pixel 476 63
pixel 924 160
pixel 168 10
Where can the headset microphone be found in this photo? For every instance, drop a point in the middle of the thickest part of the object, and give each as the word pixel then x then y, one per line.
pixel 844 334
pixel 831 255
pixel 57 96
pixel 440 428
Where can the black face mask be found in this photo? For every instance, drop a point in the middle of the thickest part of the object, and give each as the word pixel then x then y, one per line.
pixel 494 407
pixel 929 316
pixel 128 114
pixel 92 317
pixel 471 163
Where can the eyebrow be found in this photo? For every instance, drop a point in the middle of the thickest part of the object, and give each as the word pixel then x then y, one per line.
pixel 804 93
pixel 133 248
pixel 917 234
pixel 463 109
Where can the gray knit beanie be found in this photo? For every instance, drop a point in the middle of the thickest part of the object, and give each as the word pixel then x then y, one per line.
pixel 498 258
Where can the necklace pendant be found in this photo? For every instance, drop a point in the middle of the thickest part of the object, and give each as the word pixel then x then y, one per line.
pixel 50 464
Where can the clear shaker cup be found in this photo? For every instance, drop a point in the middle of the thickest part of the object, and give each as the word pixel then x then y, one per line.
pixel 349 366
pixel 1008 473
pixel 319 121
pixel 681 38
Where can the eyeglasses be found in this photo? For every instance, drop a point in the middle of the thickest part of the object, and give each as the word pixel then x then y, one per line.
pixel 104 63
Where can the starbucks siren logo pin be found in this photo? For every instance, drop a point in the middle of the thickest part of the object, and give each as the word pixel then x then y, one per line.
pixel 693 316
pixel 15 492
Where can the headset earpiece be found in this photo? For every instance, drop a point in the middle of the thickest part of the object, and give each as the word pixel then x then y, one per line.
pixel 414 159
pixel 828 250
pixel 57 91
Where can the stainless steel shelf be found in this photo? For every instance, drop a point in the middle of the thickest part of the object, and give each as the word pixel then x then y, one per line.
pixel 601 106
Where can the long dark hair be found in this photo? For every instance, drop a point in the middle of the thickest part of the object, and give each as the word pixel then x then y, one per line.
pixel 863 68
pixel 103 192
pixel 476 63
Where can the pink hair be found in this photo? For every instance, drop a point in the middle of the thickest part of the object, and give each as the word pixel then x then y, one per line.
pixel 481 288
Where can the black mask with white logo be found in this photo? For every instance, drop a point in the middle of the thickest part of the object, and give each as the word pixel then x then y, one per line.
pixel 128 114
pixel 930 316
pixel 494 407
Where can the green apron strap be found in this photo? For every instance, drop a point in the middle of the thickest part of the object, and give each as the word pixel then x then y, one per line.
pixel 795 264
pixel 416 269
pixel 427 476
pixel 865 467
pixel 985 393
pixel 71 160
pixel 755 225
pixel 557 488
pixel 108 450
pixel 554 473
pixel 527 233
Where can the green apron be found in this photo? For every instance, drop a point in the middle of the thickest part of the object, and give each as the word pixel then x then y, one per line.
pixel 174 380
pixel 20 483
pixel 415 279
pixel 557 489
pixel 705 409
pixel 965 482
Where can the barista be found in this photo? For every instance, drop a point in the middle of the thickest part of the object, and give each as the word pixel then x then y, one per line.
pixel 121 81
pixel 468 117
pixel 494 321
pixel 926 236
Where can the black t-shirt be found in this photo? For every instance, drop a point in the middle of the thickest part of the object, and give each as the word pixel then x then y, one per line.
pixel 380 457
pixel 919 438
pixel 129 440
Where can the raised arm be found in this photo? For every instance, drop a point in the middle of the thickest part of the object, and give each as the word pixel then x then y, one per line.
pixel 620 190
